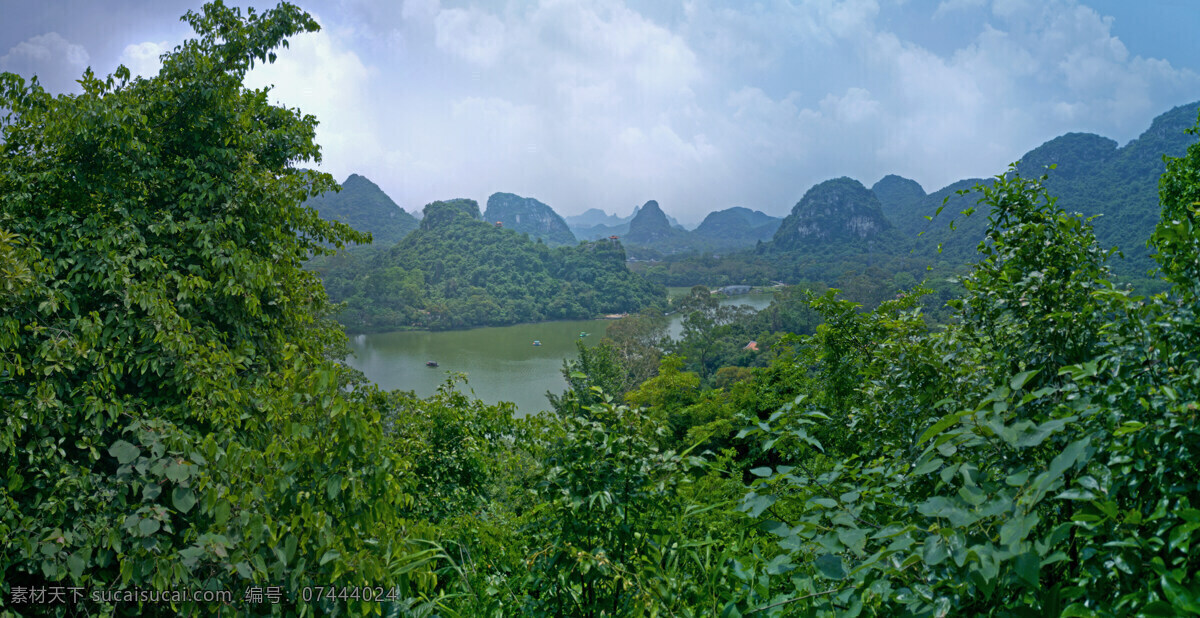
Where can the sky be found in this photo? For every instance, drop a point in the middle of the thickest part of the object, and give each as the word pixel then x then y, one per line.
pixel 698 104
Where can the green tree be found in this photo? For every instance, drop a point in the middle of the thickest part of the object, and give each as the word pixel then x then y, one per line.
pixel 1052 471
pixel 172 413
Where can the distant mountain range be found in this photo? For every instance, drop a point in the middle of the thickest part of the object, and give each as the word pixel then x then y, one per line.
pixel 648 232
pixel 1092 176
pixel 595 224
pixel 873 242
pixel 836 220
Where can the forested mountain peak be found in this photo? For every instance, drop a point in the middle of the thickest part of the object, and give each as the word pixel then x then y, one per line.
pixel 840 210
pixel 530 216
pixel 1072 154
pixel 440 213
pixel 357 182
pixel 738 222
pixel 649 225
pixel 893 191
pixel 636 209
pixel 362 205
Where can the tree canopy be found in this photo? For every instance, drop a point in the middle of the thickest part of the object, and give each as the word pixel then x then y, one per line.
pixel 172 416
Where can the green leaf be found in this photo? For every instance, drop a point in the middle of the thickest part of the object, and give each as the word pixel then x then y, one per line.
pixel 755 504
pixel 76 565
pixel 763 471
pixel 930 466
pixel 1016 529
pixel 123 451
pixel 332 554
pixel 1181 536
pixel 1018 381
pixel 854 538
pixel 830 566
pixel 151 491
pixel 177 472
pixel 1027 566
pixel 289 547
pixel 148 526
pixel 939 427
pixel 183 498
pixel 936 551
pixel 1077 610
pixel 1128 427
pixel 1068 458
pixel 779 565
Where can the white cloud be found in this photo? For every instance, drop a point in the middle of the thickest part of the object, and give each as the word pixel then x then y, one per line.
pixel 319 75
pixel 142 59
pixel 56 61
pixel 604 103
pixel 420 9
pixel 473 35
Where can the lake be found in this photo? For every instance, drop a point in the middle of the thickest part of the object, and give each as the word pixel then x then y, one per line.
pixel 501 363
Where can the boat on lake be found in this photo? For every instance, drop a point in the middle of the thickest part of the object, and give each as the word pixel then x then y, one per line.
pixel 537 342
pixel 431 363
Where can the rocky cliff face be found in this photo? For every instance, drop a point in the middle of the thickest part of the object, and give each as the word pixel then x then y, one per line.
pixel 834 212
pixel 529 216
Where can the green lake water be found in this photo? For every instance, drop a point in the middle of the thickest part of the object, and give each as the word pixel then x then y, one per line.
pixel 501 363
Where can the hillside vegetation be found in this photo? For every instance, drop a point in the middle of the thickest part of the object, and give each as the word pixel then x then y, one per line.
pixel 458 271
pixel 177 413
pixel 362 205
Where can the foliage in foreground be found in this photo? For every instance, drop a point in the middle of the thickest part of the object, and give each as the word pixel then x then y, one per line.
pixel 1036 457
pixel 170 413
pixel 173 416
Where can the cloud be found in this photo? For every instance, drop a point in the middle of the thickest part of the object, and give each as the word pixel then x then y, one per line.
pixel 473 35
pixel 949 6
pixel 705 105
pixel 56 61
pixel 142 58
pixel 319 75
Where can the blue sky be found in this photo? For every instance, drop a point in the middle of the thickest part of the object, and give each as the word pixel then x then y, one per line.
pixel 700 105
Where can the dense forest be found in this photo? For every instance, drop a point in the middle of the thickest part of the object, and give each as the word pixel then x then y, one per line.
pixel 458 271
pixel 176 415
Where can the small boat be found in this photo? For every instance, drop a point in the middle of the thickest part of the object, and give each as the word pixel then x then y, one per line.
pixel 431 363
pixel 537 342
pixel 583 334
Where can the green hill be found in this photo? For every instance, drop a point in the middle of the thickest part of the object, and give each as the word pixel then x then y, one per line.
pixel 833 213
pixel 529 216
pixel 736 228
pixel 457 271
pixel 835 236
pixel 362 205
